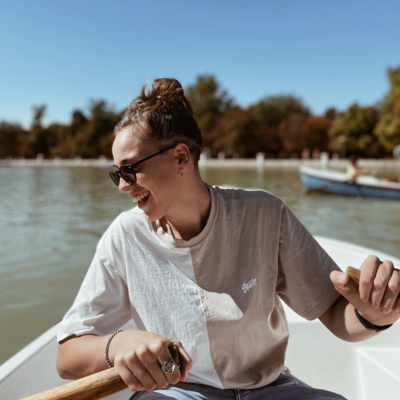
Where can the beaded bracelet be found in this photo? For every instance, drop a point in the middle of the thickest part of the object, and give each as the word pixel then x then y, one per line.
pixel 368 325
pixel 107 347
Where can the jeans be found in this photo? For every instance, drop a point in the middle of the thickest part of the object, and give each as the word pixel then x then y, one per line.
pixel 286 387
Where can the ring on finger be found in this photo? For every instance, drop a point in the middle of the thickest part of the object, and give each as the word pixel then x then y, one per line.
pixel 168 366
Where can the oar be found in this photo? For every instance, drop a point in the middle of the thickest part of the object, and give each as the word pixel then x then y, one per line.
pixel 92 387
pixel 354 281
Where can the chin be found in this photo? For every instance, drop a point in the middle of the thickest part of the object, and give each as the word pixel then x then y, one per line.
pixel 152 216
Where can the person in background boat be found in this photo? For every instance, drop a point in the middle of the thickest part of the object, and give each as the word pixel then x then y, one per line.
pixel 352 171
pixel 204 269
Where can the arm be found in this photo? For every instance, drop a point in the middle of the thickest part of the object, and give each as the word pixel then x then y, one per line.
pixel 341 320
pixel 377 300
pixel 136 355
pixel 79 356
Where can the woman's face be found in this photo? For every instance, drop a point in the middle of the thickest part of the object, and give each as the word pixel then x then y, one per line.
pixel 158 177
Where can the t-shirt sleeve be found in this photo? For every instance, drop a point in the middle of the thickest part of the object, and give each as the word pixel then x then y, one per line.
pixel 303 269
pixel 101 305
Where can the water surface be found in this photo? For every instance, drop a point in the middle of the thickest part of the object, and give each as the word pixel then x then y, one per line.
pixel 52 218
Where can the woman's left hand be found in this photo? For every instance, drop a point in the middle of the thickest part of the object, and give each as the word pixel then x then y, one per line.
pixel 377 299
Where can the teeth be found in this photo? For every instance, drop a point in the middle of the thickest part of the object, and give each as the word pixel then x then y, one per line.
pixel 141 196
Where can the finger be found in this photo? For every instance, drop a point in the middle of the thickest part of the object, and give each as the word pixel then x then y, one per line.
pixel 158 375
pixel 126 374
pixel 392 292
pixel 136 363
pixel 340 280
pixel 381 281
pixel 130 380
pixel 185 360
pixel 368 271
pixel 165 355
pixel 396 305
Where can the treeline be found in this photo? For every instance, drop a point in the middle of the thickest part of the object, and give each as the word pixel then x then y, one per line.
pixel 279 126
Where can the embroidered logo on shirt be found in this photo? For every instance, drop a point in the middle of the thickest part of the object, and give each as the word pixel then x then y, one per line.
pixel 247 286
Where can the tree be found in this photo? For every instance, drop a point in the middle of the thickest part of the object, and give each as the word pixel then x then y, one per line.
pixel 271 110
pixel 40 139
pixel 12 138
pixel 355 128
pixel 209 102
pixel 304 131
pixel 94 136
pixel 388 128
pixel 239 132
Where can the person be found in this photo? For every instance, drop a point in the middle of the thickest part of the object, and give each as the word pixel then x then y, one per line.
pixel 204 269
pixel 352 170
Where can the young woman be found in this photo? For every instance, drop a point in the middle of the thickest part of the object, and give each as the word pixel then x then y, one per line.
pixel 205 269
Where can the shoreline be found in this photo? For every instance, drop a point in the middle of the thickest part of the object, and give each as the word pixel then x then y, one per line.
pixel 290 164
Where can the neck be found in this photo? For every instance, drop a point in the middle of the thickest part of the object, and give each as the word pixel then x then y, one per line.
pixel 189 217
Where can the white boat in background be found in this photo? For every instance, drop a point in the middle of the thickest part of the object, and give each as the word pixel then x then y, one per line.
pixel 368 370
pixel 324 180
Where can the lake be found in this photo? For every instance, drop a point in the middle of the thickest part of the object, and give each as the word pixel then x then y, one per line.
pixel 52 219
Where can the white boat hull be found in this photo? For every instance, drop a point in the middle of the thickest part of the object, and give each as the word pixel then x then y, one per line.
pixel 368 370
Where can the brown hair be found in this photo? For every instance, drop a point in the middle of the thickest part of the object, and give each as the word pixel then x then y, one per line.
pixel 167 113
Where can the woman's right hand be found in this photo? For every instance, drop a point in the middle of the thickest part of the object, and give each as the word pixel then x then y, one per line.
pixel 139 356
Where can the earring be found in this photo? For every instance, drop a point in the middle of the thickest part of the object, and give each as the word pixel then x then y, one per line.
pixel 181 173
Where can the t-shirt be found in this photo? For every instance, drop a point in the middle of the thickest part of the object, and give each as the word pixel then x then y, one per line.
pixel 218 293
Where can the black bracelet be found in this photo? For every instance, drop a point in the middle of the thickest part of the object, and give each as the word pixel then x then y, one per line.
pixel 368 325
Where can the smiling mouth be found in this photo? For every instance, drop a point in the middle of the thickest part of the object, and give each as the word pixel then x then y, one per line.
pixel 141 197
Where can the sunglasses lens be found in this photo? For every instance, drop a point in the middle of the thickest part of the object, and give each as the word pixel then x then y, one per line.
pixel 128 175
pixel 115 178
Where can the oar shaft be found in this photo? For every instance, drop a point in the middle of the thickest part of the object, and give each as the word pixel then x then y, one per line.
pixel 354 281
pixel 91 387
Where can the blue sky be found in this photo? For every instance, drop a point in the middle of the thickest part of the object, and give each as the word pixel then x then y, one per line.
pixel 64 53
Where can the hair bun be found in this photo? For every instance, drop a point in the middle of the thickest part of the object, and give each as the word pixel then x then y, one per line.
pixel 170 92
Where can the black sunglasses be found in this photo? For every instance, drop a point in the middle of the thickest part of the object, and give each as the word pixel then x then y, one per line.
pixel 127 172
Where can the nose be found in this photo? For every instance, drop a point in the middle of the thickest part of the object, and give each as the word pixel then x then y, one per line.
pixel 123 185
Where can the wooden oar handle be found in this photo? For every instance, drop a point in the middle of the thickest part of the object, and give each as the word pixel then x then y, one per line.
pixel 354 280
pixel 92 387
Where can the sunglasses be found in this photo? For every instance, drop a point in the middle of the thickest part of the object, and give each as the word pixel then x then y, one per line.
pixel 127 172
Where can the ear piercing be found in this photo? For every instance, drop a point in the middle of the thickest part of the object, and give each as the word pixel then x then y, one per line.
pixel 181 173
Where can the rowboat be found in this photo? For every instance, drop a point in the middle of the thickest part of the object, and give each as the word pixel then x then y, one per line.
pixel 324 180
pixel 368 370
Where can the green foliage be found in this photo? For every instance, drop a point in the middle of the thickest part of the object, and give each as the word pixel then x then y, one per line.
pixel 40 139
pixel 355 126
pixel 12 137
pixel 240 132
pixel 272 110
pixel 209 102
pixel 388 128
pixel 93 136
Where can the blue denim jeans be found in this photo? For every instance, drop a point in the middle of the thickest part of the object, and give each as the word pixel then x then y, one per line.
pixel 286 387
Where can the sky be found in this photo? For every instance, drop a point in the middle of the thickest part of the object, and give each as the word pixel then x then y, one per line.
pixel 62 54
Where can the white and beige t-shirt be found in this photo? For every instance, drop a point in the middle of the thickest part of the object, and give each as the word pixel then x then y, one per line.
pixel 219 293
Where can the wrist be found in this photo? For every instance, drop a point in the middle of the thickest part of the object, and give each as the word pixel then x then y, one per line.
pixel 369 324
pixel 110 363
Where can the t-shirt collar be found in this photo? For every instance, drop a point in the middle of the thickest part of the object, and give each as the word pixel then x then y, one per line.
pixel 169 240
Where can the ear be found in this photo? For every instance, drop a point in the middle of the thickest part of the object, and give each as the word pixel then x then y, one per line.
pixel 182 156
